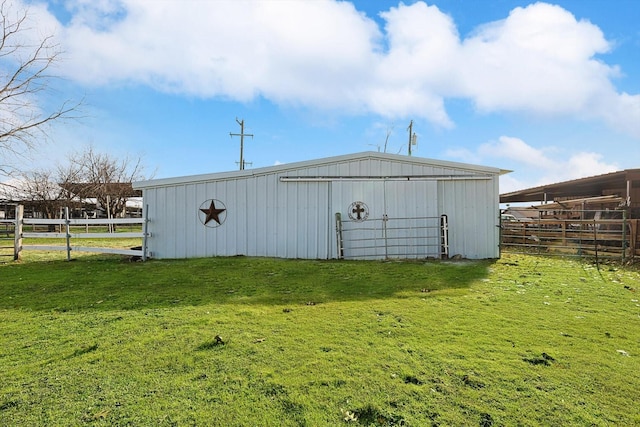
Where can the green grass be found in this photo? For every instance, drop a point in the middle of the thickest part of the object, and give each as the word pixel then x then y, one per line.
pixel 7 246
pixel 521 341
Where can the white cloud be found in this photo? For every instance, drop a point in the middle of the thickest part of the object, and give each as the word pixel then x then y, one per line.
pixel 533 166
pixel 586 164
pixel 413 75
pixel 284 50
pixel 620 111
pixel 538 59
pixel 509 183
pixel 515 149
pixel 325 54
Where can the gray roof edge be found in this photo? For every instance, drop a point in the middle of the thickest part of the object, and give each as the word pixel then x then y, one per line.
pixel 310 163
pixel 542 187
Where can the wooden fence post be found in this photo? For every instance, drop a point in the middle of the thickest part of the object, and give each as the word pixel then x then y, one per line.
pixel 17 232
pixel 67 232
pixel 633 237
pixel 444 236
pixel 339 242
pixel 624 235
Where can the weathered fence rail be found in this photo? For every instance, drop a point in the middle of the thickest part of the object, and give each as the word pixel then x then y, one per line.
pixel 7 228
pixel 606 238
pixel 70 229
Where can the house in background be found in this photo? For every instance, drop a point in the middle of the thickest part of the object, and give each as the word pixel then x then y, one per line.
pixel 361 206
pixel 84 200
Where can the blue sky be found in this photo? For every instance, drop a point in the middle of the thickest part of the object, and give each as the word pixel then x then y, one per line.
pixel 548 90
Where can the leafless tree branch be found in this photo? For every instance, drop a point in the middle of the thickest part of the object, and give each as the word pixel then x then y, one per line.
pixel 41 190
pixel 105 178
pixel 87 174
pixel 24 80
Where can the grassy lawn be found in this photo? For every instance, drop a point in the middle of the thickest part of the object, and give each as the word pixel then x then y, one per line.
pixel 241 341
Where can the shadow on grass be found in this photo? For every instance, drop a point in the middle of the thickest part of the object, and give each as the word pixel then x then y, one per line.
pixel 110 283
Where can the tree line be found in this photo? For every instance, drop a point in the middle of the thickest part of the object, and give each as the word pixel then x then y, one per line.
pixel 86 175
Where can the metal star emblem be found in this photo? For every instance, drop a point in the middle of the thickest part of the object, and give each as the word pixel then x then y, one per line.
pixel 212 213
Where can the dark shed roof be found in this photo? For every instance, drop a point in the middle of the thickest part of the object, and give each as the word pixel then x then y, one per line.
pixel 593 186
pixel 89 190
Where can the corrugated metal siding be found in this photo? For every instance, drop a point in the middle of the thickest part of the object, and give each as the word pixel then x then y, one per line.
pixel 343 193
pixel 399 201
pixel 267 217
pixel 472 209
pixel 264 217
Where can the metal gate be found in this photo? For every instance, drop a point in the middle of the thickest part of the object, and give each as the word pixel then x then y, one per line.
pixel 386 237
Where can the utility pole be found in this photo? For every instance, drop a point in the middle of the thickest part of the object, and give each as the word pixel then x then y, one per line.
pixel 241 135
pixel 412 136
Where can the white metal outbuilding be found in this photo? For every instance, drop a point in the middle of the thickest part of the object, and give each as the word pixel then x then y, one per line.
pixel 362 206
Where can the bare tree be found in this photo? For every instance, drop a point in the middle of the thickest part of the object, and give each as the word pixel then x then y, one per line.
pixel 107 179
pixel 24 79
pixel 40 190
pixel 386 140
pixel 88 177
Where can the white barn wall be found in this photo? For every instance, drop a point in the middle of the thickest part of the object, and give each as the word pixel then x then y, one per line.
pixel 268 217
pixel 471 210
pixel 258 222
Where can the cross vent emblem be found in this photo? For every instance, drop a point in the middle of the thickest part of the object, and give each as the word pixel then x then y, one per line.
pixel 358 211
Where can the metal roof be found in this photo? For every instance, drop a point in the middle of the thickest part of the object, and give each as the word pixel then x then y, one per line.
pixel 593 186
pixel 89 190
pixel 313 163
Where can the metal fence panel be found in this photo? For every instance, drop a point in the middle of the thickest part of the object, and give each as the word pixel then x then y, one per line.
pixel 570 233
pixel 384 238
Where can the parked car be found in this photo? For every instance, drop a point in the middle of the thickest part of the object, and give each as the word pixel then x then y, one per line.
pixel 508 218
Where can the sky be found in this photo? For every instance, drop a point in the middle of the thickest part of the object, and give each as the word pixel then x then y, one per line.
pixel 548 90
